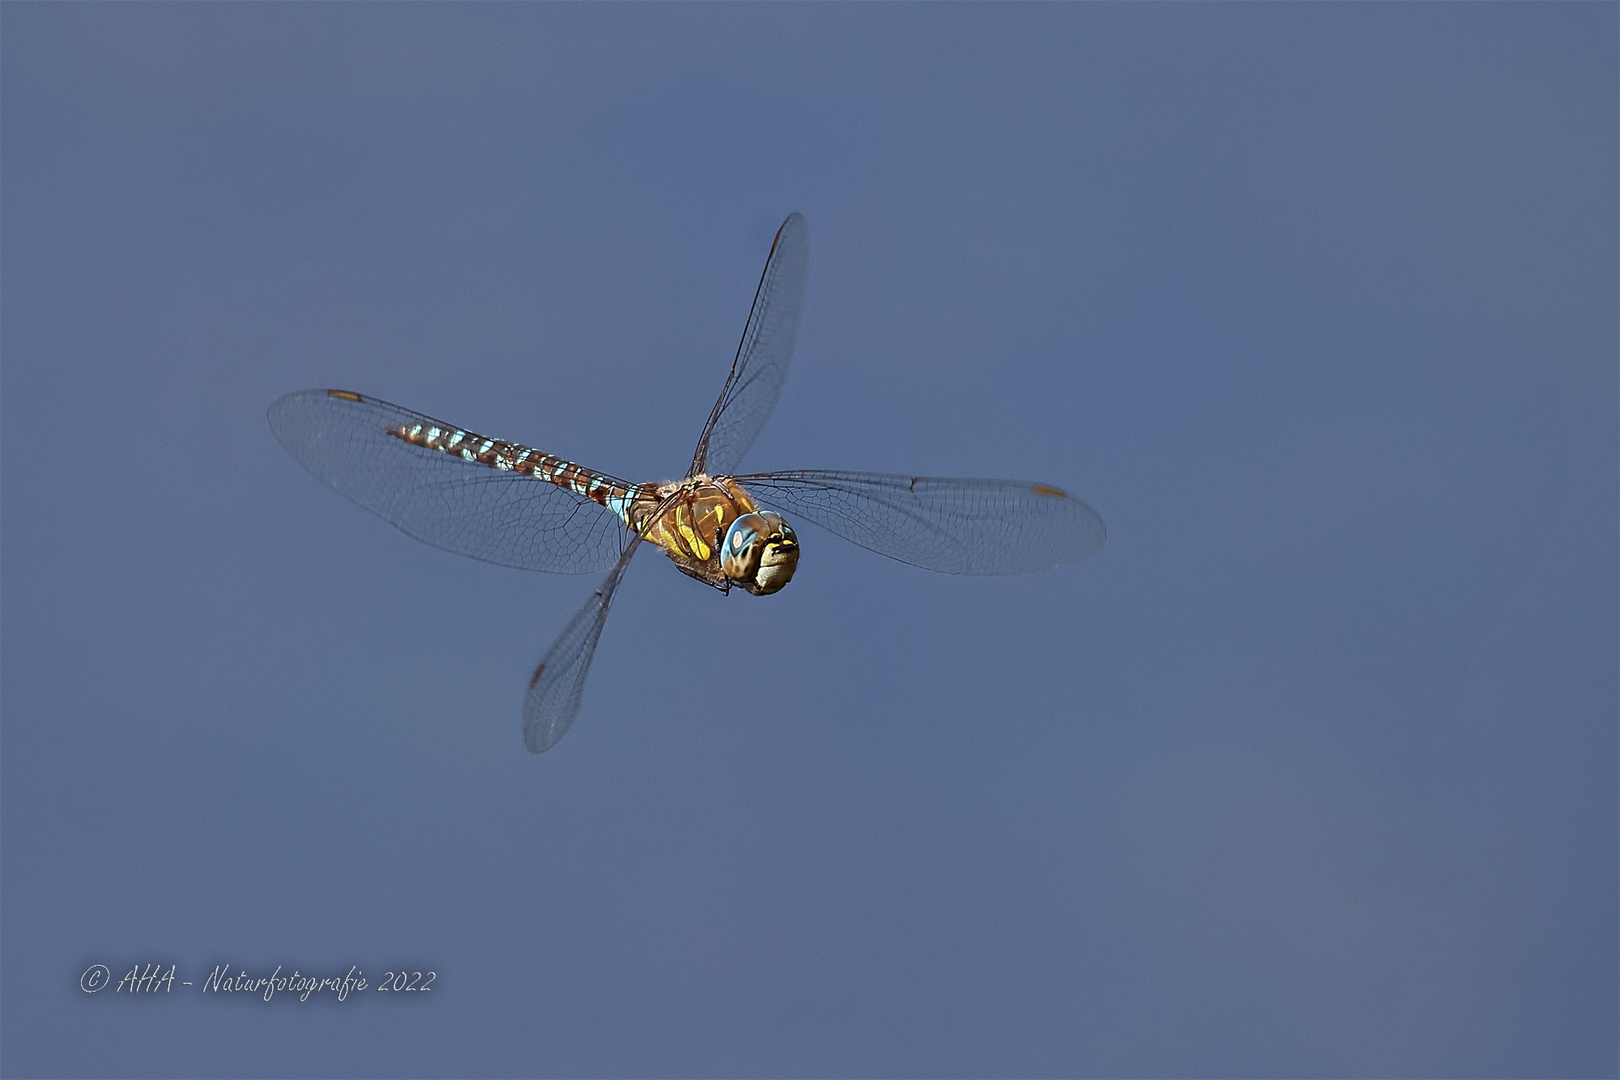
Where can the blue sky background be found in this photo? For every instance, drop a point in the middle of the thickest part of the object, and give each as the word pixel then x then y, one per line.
pixel 1312 771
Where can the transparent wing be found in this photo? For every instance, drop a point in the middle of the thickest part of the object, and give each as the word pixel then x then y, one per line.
pixel 953 526
pixel 462 506
pixel 558 685
pixel 762 358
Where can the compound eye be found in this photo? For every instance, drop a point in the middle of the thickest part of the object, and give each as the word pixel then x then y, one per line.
pixel 759 553
pixel 742 548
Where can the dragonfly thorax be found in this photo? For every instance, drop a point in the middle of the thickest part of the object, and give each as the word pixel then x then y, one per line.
pixel 711 529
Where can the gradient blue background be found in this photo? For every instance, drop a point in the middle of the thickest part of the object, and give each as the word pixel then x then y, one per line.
pixel 1312 771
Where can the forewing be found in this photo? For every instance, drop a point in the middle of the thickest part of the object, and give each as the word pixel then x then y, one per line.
pixel 558 685
pixel 762 358
pixel 444 500
pixel 950 525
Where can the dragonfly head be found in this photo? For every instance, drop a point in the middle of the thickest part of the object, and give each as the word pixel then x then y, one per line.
pixel 760 552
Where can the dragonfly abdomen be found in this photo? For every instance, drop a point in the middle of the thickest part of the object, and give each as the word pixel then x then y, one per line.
pixel 523 460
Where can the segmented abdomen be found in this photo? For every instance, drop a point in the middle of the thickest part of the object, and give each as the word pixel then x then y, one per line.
pixel 526 461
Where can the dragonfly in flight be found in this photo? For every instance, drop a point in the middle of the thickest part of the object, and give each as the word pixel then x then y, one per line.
pixel 508 503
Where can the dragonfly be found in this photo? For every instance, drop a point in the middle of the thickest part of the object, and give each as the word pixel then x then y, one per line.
pixel 512 504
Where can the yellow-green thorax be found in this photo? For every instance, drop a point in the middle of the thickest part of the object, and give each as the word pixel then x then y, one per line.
pixel 713 531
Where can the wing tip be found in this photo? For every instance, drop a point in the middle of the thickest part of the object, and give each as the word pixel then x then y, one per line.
pixel 540 736
pixel 1088 513
pixel 796 221
pixel 287 400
